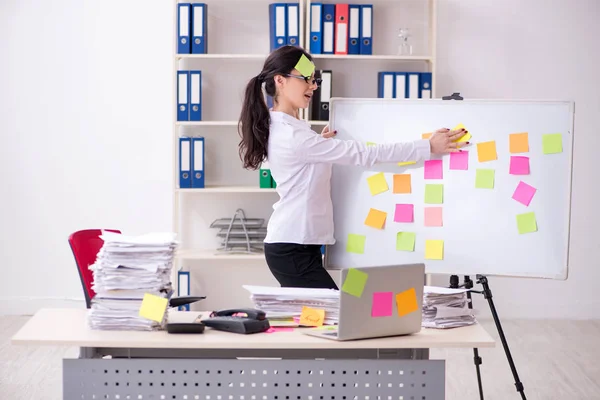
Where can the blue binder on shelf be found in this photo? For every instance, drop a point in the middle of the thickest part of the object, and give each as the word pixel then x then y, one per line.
pixel 316 28
pixel 185 172
pixel 183 95
pixel 184 18
pixel 199 29
pixel 386 85
pixel 366 30
pixel 293 24
pixel 277 25
pixel 183 287
pixel 401 85
pixel 328 13
pixel 197 166
pixel 195 96
pixel 425 86
pixel 354 26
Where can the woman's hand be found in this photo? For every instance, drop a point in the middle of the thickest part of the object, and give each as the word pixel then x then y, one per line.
pixel 443 141
pixel 326 133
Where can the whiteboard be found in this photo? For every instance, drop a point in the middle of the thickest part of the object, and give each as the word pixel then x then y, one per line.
pixel 479 226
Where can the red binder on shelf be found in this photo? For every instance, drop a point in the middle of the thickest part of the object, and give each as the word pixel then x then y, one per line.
pixel 341 28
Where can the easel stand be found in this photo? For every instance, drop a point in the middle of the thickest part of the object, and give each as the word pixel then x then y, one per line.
pixel 487 294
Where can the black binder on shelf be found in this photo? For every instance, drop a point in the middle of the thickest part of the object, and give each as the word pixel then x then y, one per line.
pixel 321 96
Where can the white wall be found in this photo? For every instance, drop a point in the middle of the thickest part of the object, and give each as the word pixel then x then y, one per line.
pixel 82 148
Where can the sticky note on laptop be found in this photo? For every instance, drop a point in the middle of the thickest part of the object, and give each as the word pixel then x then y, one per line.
pixel 355 282
pixel 406 302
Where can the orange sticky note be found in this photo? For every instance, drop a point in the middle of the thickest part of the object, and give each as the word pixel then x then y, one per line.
pixel 426 135
pixel 312 316
pixel 519 142
pixel 486 151
pixel 406 302
pixel 402 183
pixel 376 218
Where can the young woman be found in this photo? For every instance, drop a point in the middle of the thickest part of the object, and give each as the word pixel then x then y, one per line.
pixel 301 161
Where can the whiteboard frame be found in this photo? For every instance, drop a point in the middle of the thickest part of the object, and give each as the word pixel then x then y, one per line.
pixel 561 276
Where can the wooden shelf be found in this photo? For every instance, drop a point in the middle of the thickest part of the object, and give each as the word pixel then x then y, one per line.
pixel 227 189
pixel 191 254
pixel 371 57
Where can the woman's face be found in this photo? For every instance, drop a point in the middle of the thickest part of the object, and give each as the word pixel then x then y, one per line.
pixel 297 90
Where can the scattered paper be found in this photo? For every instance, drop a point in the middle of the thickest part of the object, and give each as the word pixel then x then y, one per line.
pixel 434 169
pixel 279 329
pixel 402 183
pixel 519 165
pixel 518 142
pixel 524 193
pixel 405 241
pixel 406 302
pixel 434 249
pixel 153 307
pixel 464 137
pixel 552 143
pixel 526 223
pixel 356 243
pixel 383 304
pixel 433 216
pixel 377 183
pixel 305 66
pixel 484 178
pixel 312 316
pixel 486 151
pixel 434 193
pixel 404 213
pixel 376 218
pixel 355 282
pixel 459 160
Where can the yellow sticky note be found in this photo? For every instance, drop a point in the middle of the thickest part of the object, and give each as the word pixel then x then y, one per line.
pixel 434 249
pixel 376 218
pixel 305 66
pixel 464 137
pixel 519 142
pixel 486 151
pixel 402 183
pixel 153 307
pixel 312 316
pixel 371 143
pixel 406 302
pixel 406 163
pixel 377 183
pixel 426 135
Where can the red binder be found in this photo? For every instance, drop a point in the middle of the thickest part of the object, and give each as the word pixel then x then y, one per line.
pixel 341 28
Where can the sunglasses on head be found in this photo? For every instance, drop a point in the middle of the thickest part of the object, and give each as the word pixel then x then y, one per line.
pixel 314 81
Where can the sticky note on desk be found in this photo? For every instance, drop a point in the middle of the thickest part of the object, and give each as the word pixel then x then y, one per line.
pixel 406 302
pixel 552 143
pixel 434 169
pixel 434 193
pixel 355 282
pixel 377 183
pixel 434 249
pixel 376 218
pixel 312 316
pixel 383 304
pixel 486 151
pixel 356 243
pixel 526 223
pixel 518 142
pixel 153 307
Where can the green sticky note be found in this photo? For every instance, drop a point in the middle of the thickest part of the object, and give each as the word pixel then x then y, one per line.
pixel 305 66
pixel 355 282
pixel 434 193
pixel 552 143
pixel 356 243
pixel 405 241
pixel 371 144
pixel 526 223
pixel 484 178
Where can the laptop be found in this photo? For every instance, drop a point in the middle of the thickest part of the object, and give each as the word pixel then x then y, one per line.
pixel 390 304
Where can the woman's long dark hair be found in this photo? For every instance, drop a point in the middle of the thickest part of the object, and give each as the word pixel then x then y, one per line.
pixel 254 122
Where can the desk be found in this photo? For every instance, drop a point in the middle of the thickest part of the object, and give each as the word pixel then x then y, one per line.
pixel 225 366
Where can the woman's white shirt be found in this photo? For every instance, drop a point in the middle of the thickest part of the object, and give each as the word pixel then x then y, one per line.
pixel 301 161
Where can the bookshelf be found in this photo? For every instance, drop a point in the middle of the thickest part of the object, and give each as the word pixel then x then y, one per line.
pixel 238 43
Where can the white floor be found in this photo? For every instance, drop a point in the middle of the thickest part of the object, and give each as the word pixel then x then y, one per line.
pixel 556 360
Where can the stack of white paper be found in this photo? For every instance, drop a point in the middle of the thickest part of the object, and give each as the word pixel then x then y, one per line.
pixel 278 302
pixel 446 308
pixel 126 268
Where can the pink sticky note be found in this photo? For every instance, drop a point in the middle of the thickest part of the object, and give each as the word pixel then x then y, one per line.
pixel 383 303
pixel 404 213
pixel 433 216
pixel 459 160
pixel 524 193
pixel 434 169
pixel 519 165
pixel 274 329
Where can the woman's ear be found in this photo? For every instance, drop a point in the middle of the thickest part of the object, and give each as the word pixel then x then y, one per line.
pixel 278 80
